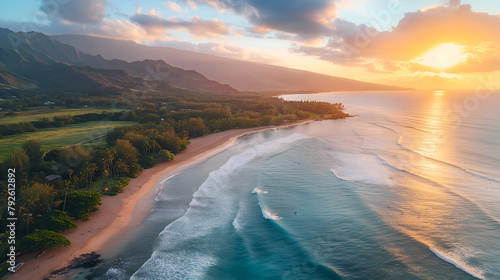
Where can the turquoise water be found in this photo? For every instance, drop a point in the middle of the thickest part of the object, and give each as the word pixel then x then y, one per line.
pixel 407 189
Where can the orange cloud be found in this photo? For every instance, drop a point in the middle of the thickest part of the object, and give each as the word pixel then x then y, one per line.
pixel 173 6
pixel 419 32
pixel 119 29
pixel 198 28
pixel 415 35
pixel 219 49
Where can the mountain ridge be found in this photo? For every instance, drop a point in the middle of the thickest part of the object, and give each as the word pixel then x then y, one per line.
pixel 22 70
pixel 45 48
pixel 240 74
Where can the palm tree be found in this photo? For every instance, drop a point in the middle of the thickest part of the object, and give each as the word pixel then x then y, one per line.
pixel 155 147
pixel 112 157
pixel 67 187
pixel 91 168
pixel 107 164
pixel 122 168
pixel 29 220
pixel 22 210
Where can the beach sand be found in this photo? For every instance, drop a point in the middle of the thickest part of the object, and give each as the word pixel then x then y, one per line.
pixel 119 214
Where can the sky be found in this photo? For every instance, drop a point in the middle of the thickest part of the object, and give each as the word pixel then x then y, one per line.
pixel 423 44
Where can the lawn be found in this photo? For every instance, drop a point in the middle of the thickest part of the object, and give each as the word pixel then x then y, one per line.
pixel 34 115
pixel 53 138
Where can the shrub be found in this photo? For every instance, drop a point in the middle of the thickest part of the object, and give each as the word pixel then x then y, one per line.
pixel 147 162
pixel 166 155
pixel 196 127
pixel 80 203
pixel 43 239
pixel 118 187
pixel 57 221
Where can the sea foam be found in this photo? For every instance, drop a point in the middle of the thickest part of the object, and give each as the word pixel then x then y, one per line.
pixel 266 213
pixel 210 208
pixel 458 264
pixel 384 162
pixel 473 173
pixel 364 168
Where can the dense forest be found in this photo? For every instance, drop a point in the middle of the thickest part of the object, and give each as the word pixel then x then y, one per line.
pixel 56 187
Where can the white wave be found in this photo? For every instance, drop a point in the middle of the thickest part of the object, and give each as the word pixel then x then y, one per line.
pixel 386 127
pixel 181 265
pixel 236 224
pixel 160 195
pixel 268 215
pixel 458 264
pixel 257 191
pixel 364 168
pixel 338 176
pixel 210 208
pixel 384 162
pixel 168 178
pixel 114 273
pixel 473 173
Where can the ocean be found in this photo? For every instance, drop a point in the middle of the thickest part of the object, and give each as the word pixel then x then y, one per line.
pixel 408 188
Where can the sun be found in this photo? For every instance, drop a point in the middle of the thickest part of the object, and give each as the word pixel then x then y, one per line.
pixel 443 56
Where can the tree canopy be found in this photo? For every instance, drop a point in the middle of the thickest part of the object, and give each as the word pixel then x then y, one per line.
pixel 80 203
pixel 42 239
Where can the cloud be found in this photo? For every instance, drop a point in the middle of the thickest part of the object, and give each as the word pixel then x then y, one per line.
pixel 173 6
pixel 219 49
pixel 197 27
pixel 308 19
pixel 416 34
pixel 454 3
pixel 79 11
pixel 428 80
pixel 191 4
pixel 117 29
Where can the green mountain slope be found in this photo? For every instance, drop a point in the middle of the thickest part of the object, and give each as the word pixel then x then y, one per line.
pixel 42 48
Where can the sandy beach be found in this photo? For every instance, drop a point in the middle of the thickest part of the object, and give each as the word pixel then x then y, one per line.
pixel 121 213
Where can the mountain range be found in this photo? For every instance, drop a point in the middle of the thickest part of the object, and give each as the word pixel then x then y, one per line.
pixel 79 63
pixel 34 60
pixel 23 70
pixel 240 74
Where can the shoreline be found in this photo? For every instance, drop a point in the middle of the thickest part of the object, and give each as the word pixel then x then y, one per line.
pixel 125 211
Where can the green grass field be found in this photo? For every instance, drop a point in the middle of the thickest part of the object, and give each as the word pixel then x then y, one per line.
pixel 54 138
pixel 36 114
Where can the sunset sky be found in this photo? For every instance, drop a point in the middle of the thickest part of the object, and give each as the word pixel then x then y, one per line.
pixel 422 44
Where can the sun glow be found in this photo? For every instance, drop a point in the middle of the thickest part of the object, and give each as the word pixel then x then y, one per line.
pixel 443 56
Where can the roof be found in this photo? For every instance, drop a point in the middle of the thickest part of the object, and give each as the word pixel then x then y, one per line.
pixel 53 177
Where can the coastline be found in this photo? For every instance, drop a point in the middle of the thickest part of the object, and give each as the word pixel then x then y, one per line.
pixel 123 212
